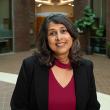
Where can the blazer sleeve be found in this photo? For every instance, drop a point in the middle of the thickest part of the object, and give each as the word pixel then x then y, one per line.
pixel 19 100
pixel 93 103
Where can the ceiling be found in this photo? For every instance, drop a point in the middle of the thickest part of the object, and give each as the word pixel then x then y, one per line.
pixel 54 2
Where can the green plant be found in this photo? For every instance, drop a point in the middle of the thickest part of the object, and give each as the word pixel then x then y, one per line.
pixel 100 31
pixel 89 25
pixel 85 24
pixel 87 21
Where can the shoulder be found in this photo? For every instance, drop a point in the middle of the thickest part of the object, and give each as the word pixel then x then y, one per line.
pixel 86 66
pixel 85 62
pixel 29 65
pixel 31 60
pixel 82 63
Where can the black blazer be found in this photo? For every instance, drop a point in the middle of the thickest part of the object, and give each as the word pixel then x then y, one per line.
pixel 31 90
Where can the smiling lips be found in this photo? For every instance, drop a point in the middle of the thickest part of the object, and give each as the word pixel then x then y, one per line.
pixel 60 44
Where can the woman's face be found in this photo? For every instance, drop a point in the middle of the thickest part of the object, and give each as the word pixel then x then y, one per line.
pixel 59 39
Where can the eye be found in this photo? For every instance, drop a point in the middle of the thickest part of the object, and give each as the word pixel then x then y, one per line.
pixel 52 33
pixel 63 31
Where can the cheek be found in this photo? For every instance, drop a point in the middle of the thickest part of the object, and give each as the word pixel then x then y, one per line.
pixel 69 39
pixel 51 43
pixel 70 42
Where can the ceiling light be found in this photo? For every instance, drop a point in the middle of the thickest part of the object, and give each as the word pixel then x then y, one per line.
pixel 69 4
pixel 39 5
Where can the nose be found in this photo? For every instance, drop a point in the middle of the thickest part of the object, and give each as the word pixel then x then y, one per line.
pixel 58 36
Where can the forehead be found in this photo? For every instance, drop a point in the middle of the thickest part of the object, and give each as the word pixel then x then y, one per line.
pixel 53 25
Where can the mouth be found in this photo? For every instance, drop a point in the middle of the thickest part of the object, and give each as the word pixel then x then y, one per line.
pixel 60 44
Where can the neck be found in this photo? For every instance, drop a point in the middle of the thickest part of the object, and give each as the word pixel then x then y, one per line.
pixel 62 65
pixel 63 59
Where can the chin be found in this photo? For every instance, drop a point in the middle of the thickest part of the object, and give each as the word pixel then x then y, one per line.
pixel 61 53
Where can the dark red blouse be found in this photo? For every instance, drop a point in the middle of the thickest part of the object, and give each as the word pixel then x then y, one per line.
pixel 61 98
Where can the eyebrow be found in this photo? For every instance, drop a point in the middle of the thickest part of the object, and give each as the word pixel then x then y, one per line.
pixel 51 29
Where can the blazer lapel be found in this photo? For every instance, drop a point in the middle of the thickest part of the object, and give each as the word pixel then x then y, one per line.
pixel 80 86
pixel 76 72
pixel 42 87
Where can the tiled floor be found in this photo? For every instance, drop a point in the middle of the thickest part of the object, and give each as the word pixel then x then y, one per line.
pixel 101 72
pixel 6 90
pixel 11 63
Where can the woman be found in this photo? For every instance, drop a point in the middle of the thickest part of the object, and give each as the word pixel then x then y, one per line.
pixel 56 78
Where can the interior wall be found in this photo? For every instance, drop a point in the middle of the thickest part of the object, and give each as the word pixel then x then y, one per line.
pixel 108 20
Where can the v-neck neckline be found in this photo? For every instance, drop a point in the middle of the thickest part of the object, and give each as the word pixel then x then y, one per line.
pixel 58 83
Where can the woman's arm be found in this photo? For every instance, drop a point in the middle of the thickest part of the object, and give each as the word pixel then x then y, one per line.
pixel 93 103
pixel 20 98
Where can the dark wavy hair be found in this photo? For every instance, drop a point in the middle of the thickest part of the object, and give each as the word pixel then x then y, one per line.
pixel 44 52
